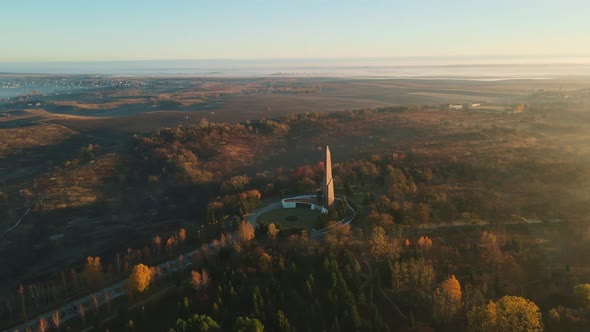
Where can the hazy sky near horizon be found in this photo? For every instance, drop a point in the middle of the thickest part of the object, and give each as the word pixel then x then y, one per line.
pixel 105 30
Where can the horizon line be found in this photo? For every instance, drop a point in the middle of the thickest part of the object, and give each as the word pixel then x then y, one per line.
pixel 337 58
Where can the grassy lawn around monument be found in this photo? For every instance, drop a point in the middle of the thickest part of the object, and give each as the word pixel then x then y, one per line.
pixel 290 218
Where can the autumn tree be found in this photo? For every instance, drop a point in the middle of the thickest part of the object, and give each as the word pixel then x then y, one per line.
pixel 337 235
pixel 56 319
pixel 264 262
pixel 199 279
pixel 95 302
pixel 582 295
pixel 214 212
pixel 170 244
pixel 235 184
pixel 202 323
pixel 108 298
pixel 413 275
pixel 246 231
pixel 140 278
pixel 43 326
pixel 424 243
pixel 196 280
pixel 383 246
pixel 157 244
pixel 383 220
pixel 205 279
pixel 283 324
pixel 447 300
pixel 82 314
pixel 519 108
pixel 21 294
pixel 510 314
pixel 472 297
pixel 421 212
pixel 246 324
pixel 182 235
pixel 93 271
pixel 273 231
pixel 489 250
pixel 482 319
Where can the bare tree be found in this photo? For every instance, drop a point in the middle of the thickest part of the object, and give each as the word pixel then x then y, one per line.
pixel 54 291
pixel 205 278
pixel 95 302
pixel 108 298
pixel 42 325
pixel 9 308
pixel 35 294
pixel 118 259
pixel 82 313
pixel 55 319
pixel 21 293
pixel 157 244
pixel 64 282
pixel 75 281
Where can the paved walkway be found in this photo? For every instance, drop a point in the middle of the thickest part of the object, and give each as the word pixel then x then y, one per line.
pixel 253 216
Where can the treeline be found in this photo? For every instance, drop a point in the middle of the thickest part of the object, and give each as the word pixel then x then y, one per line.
pixel 351 282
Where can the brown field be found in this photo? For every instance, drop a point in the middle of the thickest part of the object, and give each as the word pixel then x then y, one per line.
pixel 96 106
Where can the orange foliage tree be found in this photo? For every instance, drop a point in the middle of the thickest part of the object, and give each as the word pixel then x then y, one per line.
pixel 140 278
pixel 447 300
pixel 425 243
pixel 246 231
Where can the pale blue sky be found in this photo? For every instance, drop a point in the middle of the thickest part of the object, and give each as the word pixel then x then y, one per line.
pixel 76 30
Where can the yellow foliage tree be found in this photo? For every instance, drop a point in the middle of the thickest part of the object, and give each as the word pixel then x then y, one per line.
pixel 264 262
pixel 140 278
pixel 582 294
pixel 519 108
pixel 515 314
pixel 482 319
pixel 448 300
pixel 273 231
pixel 510 314
pixel 383 246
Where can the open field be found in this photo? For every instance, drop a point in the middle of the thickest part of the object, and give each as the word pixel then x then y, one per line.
pixel 290 218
